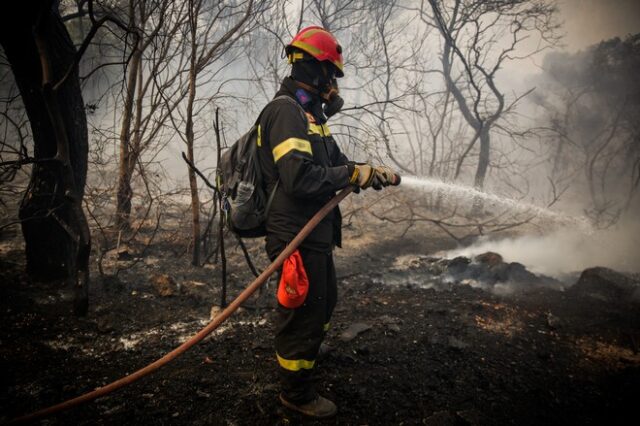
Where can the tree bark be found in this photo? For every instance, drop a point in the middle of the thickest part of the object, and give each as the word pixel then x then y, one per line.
pixel 481 171
pixel 195 199
pixel 483 159
pixel 55 230
pixel 128 155
pixel 193 183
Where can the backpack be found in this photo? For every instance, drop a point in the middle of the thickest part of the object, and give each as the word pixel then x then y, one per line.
pixel 244 199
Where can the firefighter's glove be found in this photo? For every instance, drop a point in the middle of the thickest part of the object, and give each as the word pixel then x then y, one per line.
pixel 385 175
pixel 364 176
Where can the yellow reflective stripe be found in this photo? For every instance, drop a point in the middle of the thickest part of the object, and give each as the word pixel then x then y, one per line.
pixel 326 326
pixel 295 57
pixel 315 129
pixel 259 135
pixel 307 47
pixel 291 144
pixel 311 32
pixel 354 176
pixel 319 129
pixel 295 364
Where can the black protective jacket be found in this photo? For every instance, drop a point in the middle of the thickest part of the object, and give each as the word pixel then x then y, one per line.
pixel 297 150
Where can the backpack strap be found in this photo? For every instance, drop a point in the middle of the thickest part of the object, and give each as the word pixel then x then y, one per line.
pixel 278 98
pixel 275 187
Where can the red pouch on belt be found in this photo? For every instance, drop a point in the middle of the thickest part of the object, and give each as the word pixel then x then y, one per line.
pixel 294 283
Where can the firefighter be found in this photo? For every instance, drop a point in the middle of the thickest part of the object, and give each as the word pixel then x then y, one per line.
pixel 303 168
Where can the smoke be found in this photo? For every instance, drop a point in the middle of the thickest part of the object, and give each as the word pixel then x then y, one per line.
pixel 566 251
pixel 588 21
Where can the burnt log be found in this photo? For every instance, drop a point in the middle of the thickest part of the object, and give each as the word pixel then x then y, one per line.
pixel 607 285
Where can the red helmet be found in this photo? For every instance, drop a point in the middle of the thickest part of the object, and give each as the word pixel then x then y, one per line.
pixel 320 44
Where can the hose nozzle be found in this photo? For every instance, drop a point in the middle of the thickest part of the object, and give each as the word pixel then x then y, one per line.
pixel 396 179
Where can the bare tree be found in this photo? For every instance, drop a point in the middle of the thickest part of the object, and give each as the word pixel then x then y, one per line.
pixel 592 110
pixel 44 63
pixel 207 44
pixel 409 118
pixel 142 117
pixel 474 35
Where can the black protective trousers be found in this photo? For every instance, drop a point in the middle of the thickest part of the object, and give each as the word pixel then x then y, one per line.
pixel 300 331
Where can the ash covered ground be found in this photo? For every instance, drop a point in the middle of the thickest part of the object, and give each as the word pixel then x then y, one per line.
pixel 415 339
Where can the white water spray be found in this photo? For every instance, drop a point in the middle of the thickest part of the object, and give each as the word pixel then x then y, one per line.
pixel 572 248
pixel 467 193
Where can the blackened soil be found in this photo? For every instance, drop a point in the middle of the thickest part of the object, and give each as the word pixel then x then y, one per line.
pixel 460 357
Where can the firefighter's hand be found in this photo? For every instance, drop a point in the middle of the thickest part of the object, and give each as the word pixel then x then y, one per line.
pixel 364 176
pixel 385 175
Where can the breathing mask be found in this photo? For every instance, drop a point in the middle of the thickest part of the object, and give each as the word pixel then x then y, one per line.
pixel 333 102
pixel 319 78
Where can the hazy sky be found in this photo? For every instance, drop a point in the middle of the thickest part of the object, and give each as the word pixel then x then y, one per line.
pixel 589 21
pixel 585 22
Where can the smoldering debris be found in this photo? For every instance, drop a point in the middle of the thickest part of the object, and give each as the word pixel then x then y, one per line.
pixel 490 272
pixel 566 252
pixel 607 285
pixel 486 271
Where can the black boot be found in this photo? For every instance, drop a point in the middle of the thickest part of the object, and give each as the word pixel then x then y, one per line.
pixel 319 407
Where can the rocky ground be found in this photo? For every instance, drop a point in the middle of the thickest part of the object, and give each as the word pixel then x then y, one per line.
pixel 415 339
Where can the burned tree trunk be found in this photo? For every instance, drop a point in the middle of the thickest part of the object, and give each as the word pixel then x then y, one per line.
pixel 483 159
pixel 193 183
pixel 55 229
pixel 128 151
pixel 481 171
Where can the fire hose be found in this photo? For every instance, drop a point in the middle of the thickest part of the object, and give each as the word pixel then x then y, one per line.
pixel 215 322
pixel 226 313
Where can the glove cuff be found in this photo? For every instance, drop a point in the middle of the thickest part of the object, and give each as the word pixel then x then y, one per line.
pixel 354 172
